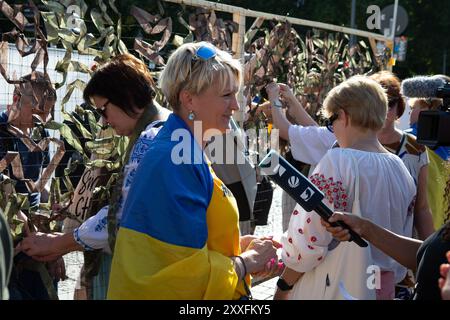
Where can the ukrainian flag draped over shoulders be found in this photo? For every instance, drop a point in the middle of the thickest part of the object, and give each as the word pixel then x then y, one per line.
pixel 162 249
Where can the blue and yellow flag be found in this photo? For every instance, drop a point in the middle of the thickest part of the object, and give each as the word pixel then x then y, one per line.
pixel 438 175
pixel 179 228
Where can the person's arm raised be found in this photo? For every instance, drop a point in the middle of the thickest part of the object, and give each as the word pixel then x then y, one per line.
pixel 279 118
pixel 296 110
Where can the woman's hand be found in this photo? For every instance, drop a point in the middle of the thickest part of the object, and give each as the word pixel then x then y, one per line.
pixel 357 224
pixel 273 91
pixel 286 93
pixel 296 106
pixel 272 267
pixel 246 240
pixel 444 281
pixel 258 254
pixel 40 245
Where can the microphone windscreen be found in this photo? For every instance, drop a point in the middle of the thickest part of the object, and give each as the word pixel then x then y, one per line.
pixel 421 87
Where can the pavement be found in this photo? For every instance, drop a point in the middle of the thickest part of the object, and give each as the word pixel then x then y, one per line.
pixel 264 290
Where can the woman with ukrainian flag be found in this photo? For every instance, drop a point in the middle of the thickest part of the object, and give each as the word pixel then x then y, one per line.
pixel 179 234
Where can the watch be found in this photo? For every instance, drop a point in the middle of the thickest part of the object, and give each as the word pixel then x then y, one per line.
pixel 283 285
pixel 277 104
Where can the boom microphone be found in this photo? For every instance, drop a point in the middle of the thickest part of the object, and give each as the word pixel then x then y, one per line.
pixel 422 87
pixel 303 191
pixel 433 126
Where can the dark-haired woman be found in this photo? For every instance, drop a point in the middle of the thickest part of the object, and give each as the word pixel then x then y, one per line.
pixel 413 154
pixel 122 92
pixel 404 145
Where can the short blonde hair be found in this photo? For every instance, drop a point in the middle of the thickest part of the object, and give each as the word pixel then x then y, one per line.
pixel 183 72
pixel 363 99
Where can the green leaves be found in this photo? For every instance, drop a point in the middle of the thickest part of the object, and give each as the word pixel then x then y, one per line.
pixel 310 65
pixel 54 7
pixel 100 163
pixel 14 203
pixel 51 24
pixel 66 133
pixel 84 132
pixel 77 84
pixel 104 146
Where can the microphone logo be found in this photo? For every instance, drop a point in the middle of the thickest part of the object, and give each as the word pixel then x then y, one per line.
pixel 293 182
pixel 281 170
pixel 307 194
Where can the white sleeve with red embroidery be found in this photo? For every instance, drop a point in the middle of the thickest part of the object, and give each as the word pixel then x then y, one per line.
pixel 310 144
pixel 305 244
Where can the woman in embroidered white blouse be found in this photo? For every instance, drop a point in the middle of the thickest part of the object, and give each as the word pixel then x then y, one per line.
pixel 356 110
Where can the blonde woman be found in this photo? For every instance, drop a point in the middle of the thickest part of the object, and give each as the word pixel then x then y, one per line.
pixel 179 235
pixel 309 143
pixel 356 110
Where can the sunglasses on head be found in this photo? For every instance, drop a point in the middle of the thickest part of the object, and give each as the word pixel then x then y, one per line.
pixel 205 53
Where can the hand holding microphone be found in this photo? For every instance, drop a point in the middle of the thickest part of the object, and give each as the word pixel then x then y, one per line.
pixel 303 191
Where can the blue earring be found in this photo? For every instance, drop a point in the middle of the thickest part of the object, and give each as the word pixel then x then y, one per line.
pixel 191 115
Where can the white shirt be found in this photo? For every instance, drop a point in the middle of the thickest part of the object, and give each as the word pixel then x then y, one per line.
pixel 309 144
pixel 386 194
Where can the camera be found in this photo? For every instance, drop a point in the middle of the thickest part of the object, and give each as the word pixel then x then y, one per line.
pixel 433 127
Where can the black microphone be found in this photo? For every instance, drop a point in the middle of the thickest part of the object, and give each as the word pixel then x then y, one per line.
pixel 303 191
pixel 422 87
